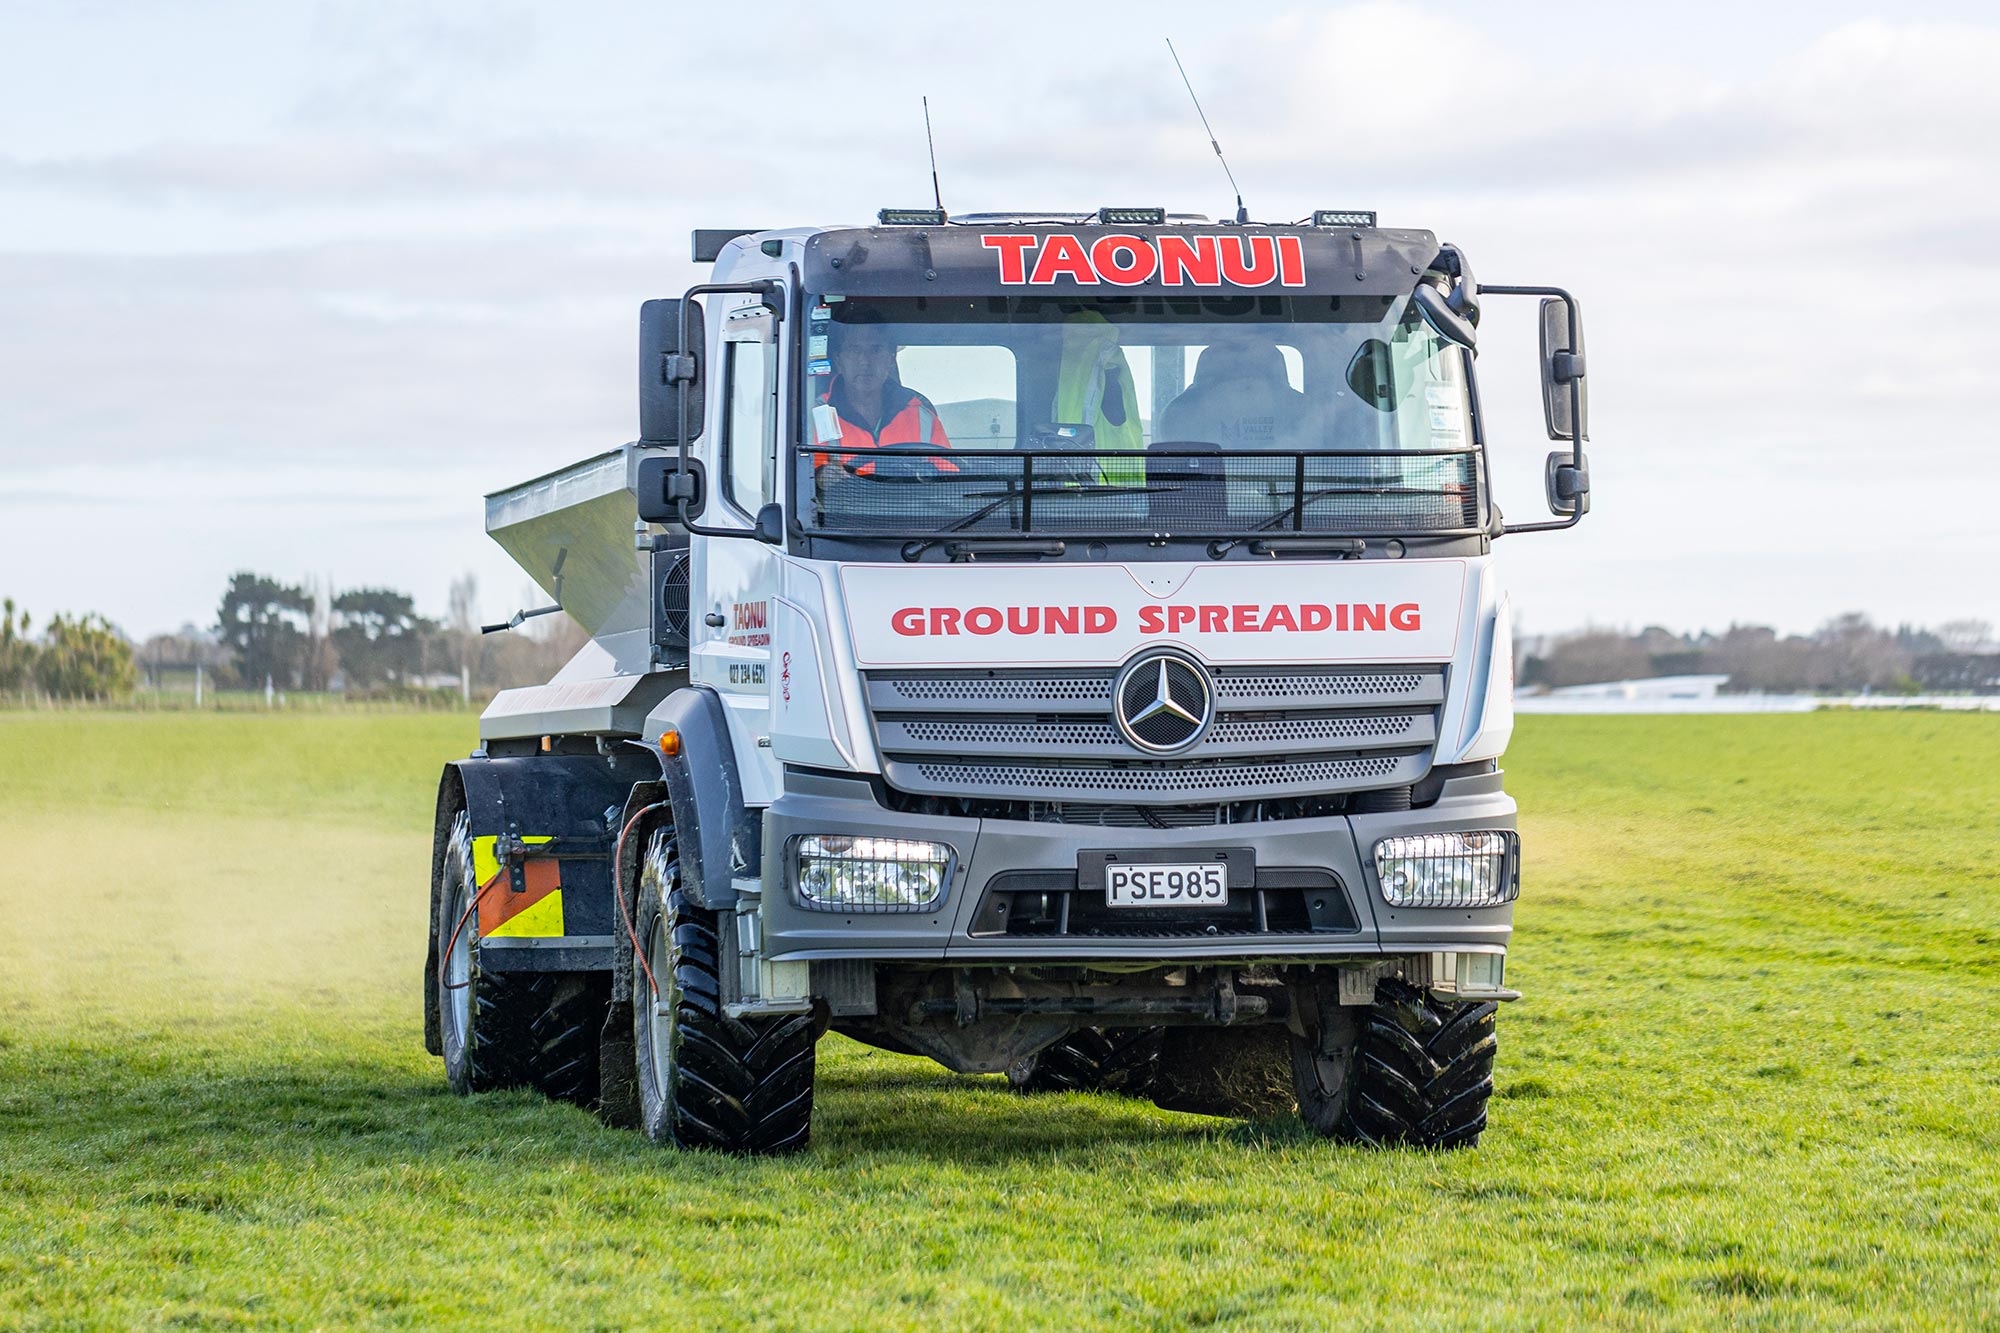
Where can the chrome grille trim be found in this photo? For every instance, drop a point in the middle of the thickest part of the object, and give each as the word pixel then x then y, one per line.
pixel 1086 738
pixel 1159 781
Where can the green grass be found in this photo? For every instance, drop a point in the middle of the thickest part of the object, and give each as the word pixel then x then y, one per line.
pixel 1755 1080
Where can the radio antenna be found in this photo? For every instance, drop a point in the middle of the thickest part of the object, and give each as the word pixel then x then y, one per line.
pixel 931 143
pixel 1242 214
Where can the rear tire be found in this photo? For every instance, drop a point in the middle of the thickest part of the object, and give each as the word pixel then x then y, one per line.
pixel 568 1022
pixel 483 1017
pixel 1421 1073
pixel 1122 1061
pixel 706 1080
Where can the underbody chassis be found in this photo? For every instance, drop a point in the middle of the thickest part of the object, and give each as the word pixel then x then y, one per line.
pixel 679 905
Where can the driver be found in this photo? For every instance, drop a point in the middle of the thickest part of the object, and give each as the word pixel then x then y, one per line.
pixel 870 406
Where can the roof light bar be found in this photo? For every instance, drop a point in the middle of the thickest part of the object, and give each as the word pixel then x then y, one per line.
pixel 1343 217
pixel 708 241
pixel 911 217
pixel 1132 217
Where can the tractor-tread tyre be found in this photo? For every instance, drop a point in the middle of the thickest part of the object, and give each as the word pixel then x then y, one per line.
pixel 739 1085
pixel 503 1010
pixel 1123 1061
pixel 564 1034
pixel 485 1044
pixel 1422 1070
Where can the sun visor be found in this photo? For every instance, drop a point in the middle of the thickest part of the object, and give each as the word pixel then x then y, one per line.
pixel 1070 259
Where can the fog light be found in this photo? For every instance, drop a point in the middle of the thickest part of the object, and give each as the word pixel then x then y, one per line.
pixel 871 874
pixel 1448 869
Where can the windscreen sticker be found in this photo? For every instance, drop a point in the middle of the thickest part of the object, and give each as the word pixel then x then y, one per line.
pixel 1124 260
pixel 816 345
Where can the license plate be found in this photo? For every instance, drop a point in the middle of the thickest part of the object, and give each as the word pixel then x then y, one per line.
pixel 1199 885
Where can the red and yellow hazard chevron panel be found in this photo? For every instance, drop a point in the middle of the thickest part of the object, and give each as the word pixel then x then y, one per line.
pixel 503 913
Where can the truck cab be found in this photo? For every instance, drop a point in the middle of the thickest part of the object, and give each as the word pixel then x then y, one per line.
pixel 1067 646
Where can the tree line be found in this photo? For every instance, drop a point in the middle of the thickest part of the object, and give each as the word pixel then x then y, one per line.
pixel 373 642
pixel 75 657
pixel 267 633
pixel 1846 655
pixel 369 641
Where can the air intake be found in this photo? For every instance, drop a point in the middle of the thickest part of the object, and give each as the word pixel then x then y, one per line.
pixel 672 599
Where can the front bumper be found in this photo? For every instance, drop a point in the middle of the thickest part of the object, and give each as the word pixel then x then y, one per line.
pixel 1320 870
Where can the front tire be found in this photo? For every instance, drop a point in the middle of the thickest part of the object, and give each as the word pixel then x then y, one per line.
pixel 1421 1073
pixel 706 1080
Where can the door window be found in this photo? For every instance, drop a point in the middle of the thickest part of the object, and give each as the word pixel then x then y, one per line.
pixel 748 460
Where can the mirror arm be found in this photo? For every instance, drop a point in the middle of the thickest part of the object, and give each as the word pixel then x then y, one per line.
pixel 1573 363
pixel 681 486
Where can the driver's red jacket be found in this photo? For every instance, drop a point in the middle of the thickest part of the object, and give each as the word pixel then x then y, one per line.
pixel 914 422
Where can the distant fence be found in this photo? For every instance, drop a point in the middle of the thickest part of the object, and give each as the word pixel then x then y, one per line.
pixel 253 701
pixel 1756 703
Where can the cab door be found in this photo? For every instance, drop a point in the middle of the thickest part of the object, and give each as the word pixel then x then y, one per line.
pixel 736 578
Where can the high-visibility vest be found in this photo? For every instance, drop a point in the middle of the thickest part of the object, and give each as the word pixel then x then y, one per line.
pixel 1092 361
pixel 916 423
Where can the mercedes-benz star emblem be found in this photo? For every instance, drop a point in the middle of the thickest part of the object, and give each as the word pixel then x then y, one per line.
pixel 1164 701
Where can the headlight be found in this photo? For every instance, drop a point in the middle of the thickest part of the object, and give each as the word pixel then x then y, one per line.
pixel 871 874
pixel 1448 869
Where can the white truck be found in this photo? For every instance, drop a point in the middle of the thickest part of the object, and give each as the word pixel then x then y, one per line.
pixel 1065 645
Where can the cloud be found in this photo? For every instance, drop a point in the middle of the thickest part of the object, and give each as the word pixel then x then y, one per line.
pixel 391 63
pixel 420 265
pixel 365 352
pixel 313 170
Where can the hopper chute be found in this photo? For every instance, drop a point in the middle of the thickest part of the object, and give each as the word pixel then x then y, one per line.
pixel 571 530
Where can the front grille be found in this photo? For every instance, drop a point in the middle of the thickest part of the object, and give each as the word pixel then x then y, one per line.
pixel 1048 735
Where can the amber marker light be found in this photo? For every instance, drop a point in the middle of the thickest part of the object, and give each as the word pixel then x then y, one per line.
pixel 670 743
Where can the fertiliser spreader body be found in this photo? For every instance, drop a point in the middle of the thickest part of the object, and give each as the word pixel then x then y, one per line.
pixel 1061 646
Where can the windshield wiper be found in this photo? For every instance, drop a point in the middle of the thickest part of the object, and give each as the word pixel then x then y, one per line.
pixel 913 549
pixel 1349 545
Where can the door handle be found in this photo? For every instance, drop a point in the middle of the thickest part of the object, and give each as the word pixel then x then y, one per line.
pixel 714 620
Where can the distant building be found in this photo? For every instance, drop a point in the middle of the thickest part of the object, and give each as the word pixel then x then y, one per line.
pixel 1654 687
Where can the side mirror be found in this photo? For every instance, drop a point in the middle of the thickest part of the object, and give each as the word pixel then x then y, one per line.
pixel 661 485
pixel 1436 309
pixel 1562 367
pixel 669 372
pixel 1567 482
pixel 770 527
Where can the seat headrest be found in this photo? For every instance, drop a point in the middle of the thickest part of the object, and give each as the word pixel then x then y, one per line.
pixel 1255 362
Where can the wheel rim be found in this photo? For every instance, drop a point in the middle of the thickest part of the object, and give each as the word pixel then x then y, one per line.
pixel 660 1030
pixel 458 963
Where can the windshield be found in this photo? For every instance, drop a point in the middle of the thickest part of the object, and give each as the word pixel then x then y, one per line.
pixel 1196 416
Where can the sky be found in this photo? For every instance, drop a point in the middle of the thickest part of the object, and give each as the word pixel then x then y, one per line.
pixel 288 287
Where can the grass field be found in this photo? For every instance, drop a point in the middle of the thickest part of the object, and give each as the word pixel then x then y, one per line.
pixel 1755 1080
